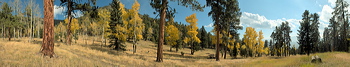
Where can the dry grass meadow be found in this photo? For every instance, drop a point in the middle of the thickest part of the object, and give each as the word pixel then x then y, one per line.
pixel 21 53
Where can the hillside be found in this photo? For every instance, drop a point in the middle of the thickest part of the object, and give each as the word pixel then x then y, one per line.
pixel 20 52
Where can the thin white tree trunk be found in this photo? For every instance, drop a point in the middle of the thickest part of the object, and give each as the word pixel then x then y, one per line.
pixel 18 32
pixel 14 33
pixel 2 31
pixel 103 29
pixel 31 27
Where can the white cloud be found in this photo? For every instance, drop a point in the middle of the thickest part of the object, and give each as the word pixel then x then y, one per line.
pixel 332 2
pixel 258 21
pixel 210 25
pixel 78 14
pixel 58 10
pixel 326 13
pixel 322 25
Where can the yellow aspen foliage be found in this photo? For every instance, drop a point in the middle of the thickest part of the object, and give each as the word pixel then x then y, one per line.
pixel 266 50
pixel 214 38
pixel 60 31
pixel 261 42
pixel 250 39
pixel 124 15
pixel 173 35
pixel 95 28
pixel 121 34
pixel 74 24
pixel 231 42
pixel 238 47
pixel 104 18
pixel 121 28
pixel 149 33
pixel 243 47
pixel 192 29
pixel 231 47
pixel 135 22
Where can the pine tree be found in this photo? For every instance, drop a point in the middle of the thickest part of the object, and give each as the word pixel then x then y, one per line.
pixel 225 14
pixel 340 23
pixel 72 7
pixel 116 28
pixel 315 34
pixel 308 33
pixel 161 6
pixel 204 37
pixel 47 47
pixel 6 19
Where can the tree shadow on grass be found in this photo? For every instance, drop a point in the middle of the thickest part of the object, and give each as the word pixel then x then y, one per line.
pixel 38 42
pixel 103 49
pixel 275 57
pixel 186 56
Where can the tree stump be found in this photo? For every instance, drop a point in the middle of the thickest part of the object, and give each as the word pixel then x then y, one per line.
pixel 182 53
pixel 211 56
pixel 316 59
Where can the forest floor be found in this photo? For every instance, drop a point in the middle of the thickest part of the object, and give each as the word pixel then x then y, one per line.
pixel 83 53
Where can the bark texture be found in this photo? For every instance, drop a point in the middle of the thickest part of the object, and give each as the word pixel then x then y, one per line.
pixel 47 48
pixel 161 32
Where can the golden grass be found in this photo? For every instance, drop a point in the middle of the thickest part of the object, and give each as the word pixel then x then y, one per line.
pixel 20 52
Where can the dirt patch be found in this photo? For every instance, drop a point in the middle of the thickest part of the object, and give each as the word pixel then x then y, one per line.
pixel 343 56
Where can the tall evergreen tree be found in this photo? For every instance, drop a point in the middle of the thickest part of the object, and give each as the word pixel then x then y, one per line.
pixel 203 37
pixel 315 34
pixel 225 14
pixel 340 24
pixel 116 21
pixel 72 7
pixel 8 21
pixel 333 25
pixel 47 48
pixel 281 39
pixel 162 7
pixel 326 41
pixel 308 33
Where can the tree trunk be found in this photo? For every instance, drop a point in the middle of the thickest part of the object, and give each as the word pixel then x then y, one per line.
pixel 47 48
pixel 103 39
pixel 85 35
pixel 14 32
pixel 93 40
pixel 161 31
pixel 69 33
pixel 18 32
pixel 225 51
pixel 9 33
pixel 217 56
pixel 177 49
pixel 2 32
pixel 192 48
pixel 170 49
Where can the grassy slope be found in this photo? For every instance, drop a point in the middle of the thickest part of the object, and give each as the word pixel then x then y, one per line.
pixel 23 53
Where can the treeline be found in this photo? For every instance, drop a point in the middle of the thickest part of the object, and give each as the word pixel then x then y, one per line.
pixel 17 21
pixel 114 25
pixel 335 36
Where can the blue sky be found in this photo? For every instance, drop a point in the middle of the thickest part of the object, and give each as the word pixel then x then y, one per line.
pixel 261 14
